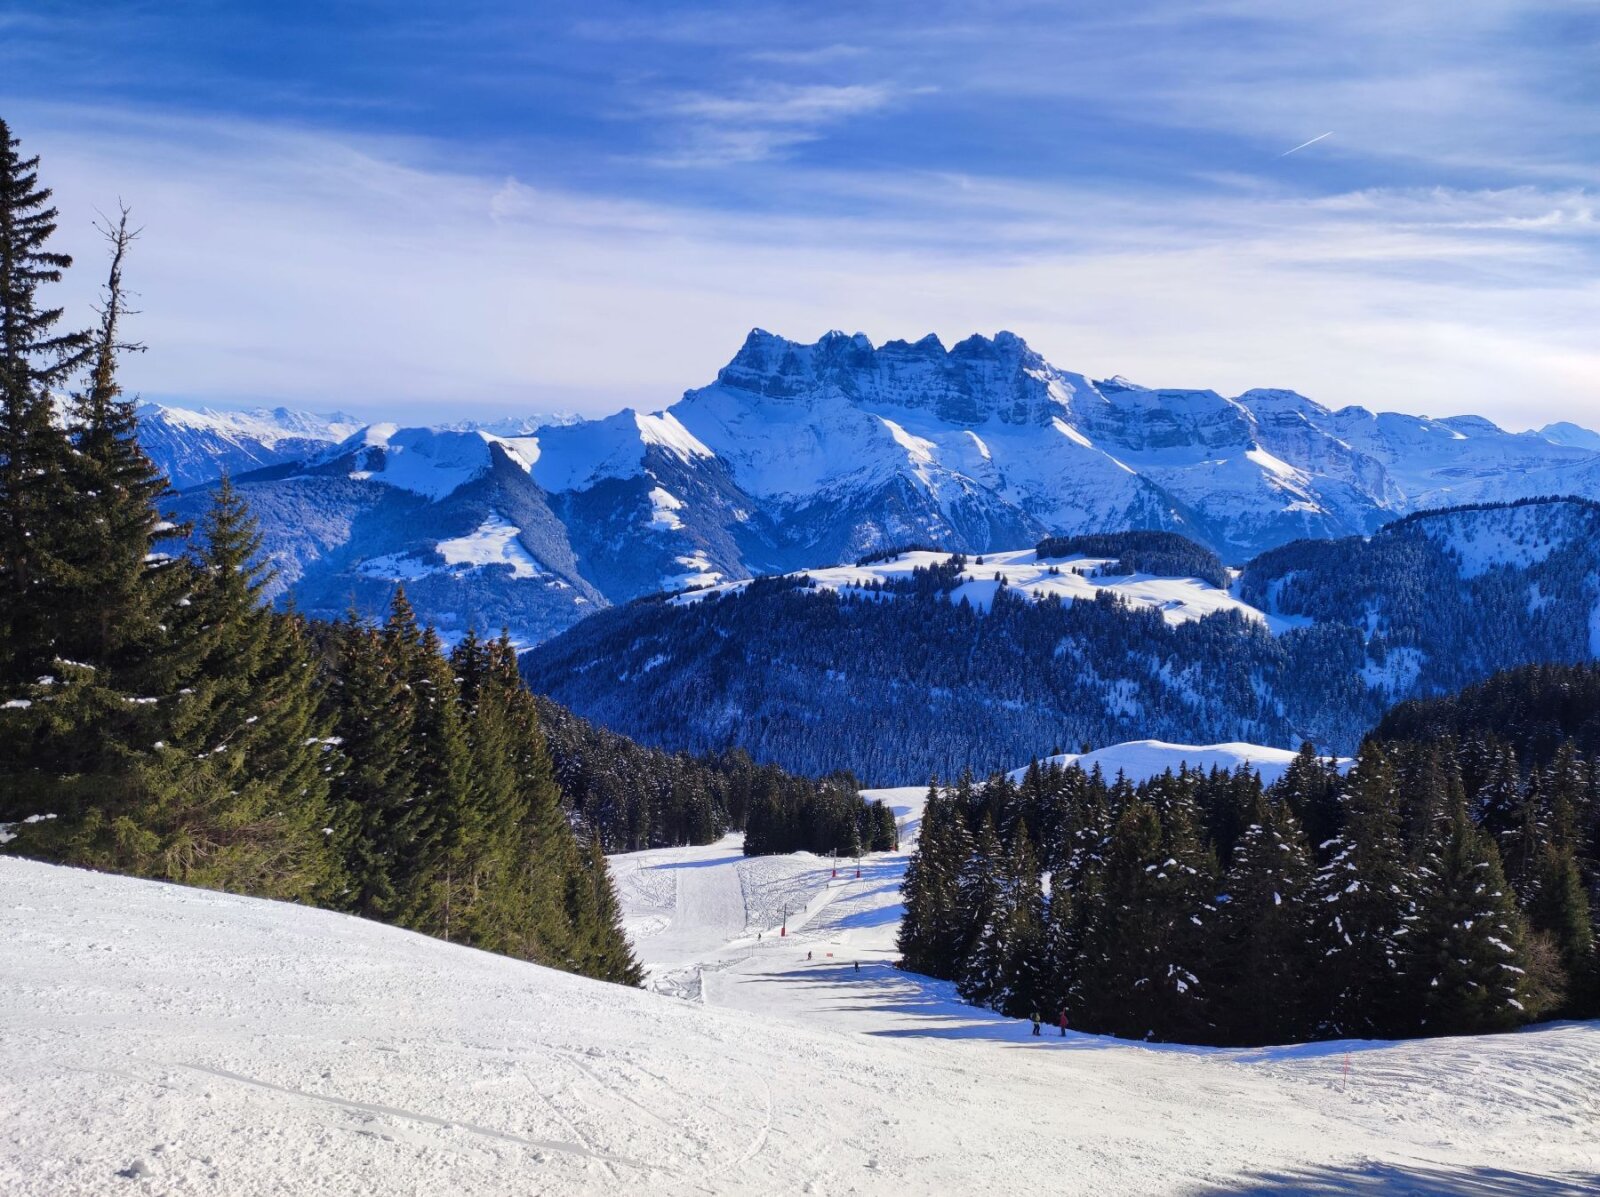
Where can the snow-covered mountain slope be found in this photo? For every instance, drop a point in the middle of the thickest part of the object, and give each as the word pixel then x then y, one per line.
pixel 1567 433
pixel 168 1040
pixel 799 456
pixel 1140 760
pixel 453 516
pixel 193 447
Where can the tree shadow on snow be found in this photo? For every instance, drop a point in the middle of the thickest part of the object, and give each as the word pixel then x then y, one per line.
pixel 1367 1180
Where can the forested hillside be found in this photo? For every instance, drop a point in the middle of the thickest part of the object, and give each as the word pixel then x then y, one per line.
pixel 903 677
pixel 1534 711
pixel 633 797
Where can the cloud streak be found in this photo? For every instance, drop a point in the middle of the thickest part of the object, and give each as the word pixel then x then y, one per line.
pixel 1304 144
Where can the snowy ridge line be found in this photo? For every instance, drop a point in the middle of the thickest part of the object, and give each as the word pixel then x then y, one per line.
pixel 1023 571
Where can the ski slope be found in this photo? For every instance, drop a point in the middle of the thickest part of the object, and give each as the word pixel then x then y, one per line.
pixel 156 1039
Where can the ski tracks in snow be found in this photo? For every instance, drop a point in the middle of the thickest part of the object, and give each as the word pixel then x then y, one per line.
pixel 584 1148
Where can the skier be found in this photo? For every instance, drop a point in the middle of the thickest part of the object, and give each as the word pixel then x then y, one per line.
pixel 1063 1022
pixel 808 955
pixel 858 966
pixel 1035 1022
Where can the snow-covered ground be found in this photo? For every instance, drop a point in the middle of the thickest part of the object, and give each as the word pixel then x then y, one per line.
pixel 1140 760
pixel 155 1039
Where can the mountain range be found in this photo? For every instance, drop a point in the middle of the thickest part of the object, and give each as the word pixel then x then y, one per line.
pixel 802 455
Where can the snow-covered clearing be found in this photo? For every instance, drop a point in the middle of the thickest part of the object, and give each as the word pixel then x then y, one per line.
pixel 1023 571
pixel 494 542
pixel 155 1039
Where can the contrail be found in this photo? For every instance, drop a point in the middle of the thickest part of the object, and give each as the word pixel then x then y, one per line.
pixel 1303 144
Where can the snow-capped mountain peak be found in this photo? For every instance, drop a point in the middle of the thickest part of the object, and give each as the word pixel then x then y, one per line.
pixel 797 455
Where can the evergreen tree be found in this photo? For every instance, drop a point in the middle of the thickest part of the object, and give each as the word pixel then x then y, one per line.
pixel 483 891
pixel 234 795
pixel 1467 947
pixel 933 931
pixel 371 708
pixel 36 502
pixel 77 733
pixel 1365 907
pixel 1058 949
pixel 1264 961
pixel 1559 913
pixel 1499 793
pixel 609 956
pixel 985 898
pixel 1023 978
pixel 1310 789
pixel 117 589
pixel 444 823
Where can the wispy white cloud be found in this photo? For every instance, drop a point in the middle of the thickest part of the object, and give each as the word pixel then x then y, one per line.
pixel 320 271
pixel 756 121
pixel 778 105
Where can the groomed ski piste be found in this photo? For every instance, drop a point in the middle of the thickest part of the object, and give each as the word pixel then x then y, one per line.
pixel 156 1039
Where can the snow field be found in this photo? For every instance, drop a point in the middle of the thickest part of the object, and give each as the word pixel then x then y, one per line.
pixel 157 1039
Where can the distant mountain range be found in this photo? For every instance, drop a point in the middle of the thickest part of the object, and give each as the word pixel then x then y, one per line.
pixel 803 455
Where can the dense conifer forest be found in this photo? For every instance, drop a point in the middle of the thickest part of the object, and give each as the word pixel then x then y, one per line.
pixel 1535 711
pixel 633 797
pixel 1438 888
pixel 1164 554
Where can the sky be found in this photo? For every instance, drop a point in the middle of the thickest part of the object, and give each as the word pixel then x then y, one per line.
pixel 441 211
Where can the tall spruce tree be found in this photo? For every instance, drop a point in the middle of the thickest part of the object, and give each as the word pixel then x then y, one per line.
pixel 36 359
pixel 1310 787
pixel 1023 978
pixel 241 791
pixel 76 734
pixel 485 893
pixel 1365 906
pixel 1466 954
pixel 1263 954
pixel 371 709
pixel 118 588
pixel 984 896
pixel 932 933
pixel 447 827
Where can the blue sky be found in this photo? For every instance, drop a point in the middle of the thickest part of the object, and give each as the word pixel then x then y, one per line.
pixel 428 211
